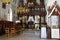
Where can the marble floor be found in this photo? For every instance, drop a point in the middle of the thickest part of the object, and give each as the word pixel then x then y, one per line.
pixel 26 35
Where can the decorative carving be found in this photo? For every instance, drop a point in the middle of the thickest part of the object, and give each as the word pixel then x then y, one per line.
pixel 7 1
pixel 22 9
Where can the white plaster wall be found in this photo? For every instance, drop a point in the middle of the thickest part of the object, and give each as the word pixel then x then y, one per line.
pixel 4 13
pixel 38 2
pixel 47 4
pixel 50 3
pixel 16 3
pixel 24 1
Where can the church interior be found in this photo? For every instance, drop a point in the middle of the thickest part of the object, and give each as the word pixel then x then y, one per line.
pixel 29 19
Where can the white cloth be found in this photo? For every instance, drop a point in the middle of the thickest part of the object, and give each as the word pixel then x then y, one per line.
pixel 54 21
pixel 43 32
pixel 30 18
pixel 54 33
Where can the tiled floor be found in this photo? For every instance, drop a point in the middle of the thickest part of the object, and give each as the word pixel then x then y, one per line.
pixel 26 35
